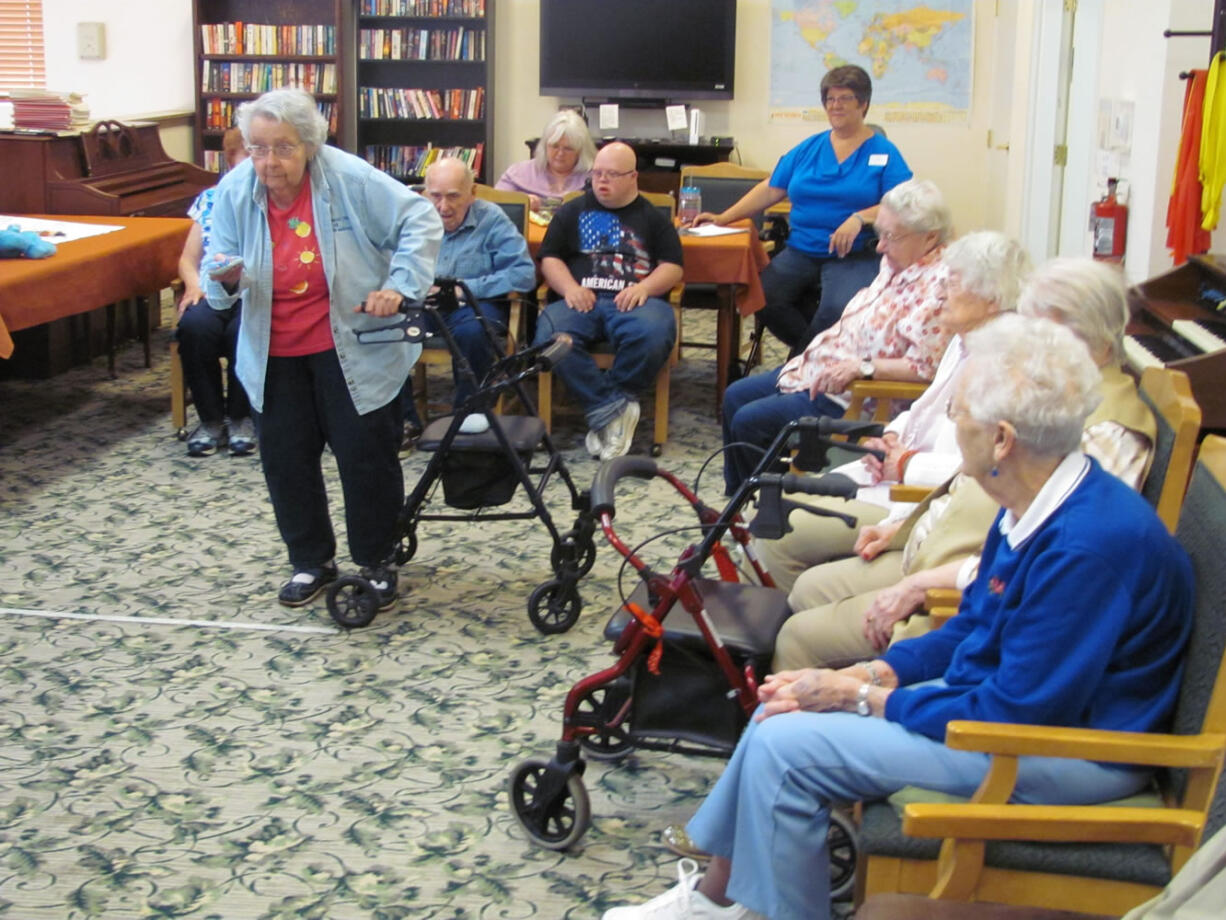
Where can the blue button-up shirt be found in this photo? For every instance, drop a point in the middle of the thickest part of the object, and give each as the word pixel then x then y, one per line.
pixel 374 234
pixel 487 252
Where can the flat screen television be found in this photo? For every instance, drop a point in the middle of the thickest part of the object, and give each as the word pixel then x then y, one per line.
pixel 638 49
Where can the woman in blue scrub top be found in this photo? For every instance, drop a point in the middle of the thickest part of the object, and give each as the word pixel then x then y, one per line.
pixel 834 181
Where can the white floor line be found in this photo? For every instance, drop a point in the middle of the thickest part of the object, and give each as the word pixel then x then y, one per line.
pixel 164 621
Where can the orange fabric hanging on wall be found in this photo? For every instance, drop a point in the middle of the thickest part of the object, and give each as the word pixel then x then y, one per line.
pixel 1183 215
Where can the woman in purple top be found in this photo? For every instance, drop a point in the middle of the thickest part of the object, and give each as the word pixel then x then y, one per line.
pixel 561 164
pixel 834 181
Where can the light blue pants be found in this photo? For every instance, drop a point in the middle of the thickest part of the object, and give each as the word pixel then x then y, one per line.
pixel 769 811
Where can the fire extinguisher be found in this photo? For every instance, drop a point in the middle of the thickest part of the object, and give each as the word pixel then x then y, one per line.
pixel 1109 223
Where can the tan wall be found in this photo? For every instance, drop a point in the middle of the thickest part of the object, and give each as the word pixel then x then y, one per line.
pixel 955 156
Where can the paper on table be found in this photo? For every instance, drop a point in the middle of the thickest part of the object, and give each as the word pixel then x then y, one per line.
pixel 56 231
pixel 713 230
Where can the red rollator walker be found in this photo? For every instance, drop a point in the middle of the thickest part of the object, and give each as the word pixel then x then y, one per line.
pixel 686 684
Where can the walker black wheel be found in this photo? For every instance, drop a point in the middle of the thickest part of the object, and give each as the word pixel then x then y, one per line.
pixel 407 548
pixel 598 708
pixel 841 842
pixel 556 823
pixel 352 601
pixel 554 606
pixel 584 550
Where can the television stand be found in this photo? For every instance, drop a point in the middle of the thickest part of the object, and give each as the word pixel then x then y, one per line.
pixel 660 161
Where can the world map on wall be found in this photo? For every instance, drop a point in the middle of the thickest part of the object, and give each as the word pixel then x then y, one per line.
pixel 918 54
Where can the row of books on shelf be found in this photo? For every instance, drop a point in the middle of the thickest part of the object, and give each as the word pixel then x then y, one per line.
pixel 454 44
pixel 219 113
pixel 215 161
pixel 470 8
pixel 247 77
pixel 255 38
pixel 384 102
pixel 412 162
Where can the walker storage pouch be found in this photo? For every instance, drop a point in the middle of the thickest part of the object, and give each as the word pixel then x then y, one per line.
pixel 478 479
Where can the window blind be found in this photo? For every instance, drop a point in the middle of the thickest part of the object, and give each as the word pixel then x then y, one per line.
pixel 21 45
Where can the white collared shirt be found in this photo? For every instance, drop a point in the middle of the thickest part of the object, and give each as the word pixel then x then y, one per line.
pixel 1060 484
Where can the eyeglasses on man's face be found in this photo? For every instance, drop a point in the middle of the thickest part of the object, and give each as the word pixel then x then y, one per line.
pixel 600 174
pixel 280 151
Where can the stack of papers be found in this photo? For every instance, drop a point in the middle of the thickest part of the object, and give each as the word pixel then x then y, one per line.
pixel 48 110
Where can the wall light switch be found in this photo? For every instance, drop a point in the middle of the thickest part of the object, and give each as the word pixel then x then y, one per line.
pixel 91 41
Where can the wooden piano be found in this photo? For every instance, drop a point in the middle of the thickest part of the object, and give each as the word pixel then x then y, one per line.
pixel 111 169
pixel 1179 321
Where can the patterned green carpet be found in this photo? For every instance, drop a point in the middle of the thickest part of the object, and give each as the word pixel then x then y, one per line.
pixel 173 743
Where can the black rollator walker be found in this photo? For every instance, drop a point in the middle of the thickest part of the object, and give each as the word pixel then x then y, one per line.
pixel 481 470
pixel 687 684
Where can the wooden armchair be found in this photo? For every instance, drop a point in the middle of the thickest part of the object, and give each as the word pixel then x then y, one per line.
pixel 603 355
pixel 1096 859
pixel 435 352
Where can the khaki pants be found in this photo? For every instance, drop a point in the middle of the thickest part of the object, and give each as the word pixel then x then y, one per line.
pixel 827 631
pixel 815 540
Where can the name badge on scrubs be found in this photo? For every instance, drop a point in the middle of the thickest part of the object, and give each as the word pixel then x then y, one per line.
pixel 878 159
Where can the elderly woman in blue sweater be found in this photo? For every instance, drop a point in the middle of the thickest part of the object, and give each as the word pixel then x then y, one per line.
pixel 1059 571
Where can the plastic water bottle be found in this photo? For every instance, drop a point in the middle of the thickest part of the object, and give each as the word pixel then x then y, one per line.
pixel 691 204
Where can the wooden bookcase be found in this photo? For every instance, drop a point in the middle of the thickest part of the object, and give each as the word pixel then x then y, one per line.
pixel 301 43
pixel 424 80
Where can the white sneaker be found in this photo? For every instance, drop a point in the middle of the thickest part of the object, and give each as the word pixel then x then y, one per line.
pixel 594 442
pixel 682 902
pixel 619 434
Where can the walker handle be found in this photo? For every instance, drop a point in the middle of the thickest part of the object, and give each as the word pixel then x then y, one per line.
pixel 607 476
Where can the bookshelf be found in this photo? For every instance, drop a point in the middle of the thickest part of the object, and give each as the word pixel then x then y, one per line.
pixel 423 83
pixel 246 47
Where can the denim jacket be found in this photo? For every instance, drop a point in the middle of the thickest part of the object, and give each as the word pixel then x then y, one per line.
pixel 373 233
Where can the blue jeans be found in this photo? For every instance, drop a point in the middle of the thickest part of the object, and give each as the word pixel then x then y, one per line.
pixel 307 406
pixel 769 812
pixel 791 284
pixel 205 336
pixel 472 343
pixel 642 339
pixel 754 413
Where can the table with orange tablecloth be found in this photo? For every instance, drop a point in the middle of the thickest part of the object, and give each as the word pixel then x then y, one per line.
pixel 732 262
pixel 136 261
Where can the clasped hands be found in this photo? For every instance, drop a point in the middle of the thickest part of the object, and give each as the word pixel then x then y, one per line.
pixel 810 690
pixel 582 300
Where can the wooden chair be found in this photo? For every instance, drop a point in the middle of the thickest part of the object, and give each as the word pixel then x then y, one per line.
pixel 435 352
pixel 603 354
pixel 1096 859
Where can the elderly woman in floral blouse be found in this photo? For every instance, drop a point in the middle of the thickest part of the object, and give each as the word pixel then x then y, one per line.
pixel 889 331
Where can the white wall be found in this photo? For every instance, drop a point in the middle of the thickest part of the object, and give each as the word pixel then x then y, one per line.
pixel 954 156
pixel 148 68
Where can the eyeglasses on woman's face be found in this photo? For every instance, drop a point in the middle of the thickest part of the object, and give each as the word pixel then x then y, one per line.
pixel 841 100
pixel 280 151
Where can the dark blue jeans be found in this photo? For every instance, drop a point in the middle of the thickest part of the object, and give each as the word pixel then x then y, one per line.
pixel 206 336
pixel 754 413
pixel 791 284
pixel 307 406
pixel 473 344
pixel 641 338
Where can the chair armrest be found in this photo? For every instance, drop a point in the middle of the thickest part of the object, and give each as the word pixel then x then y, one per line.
pixel 901 492
pixel 1056 823
pixel 887 389
pixel 942 597
pixel 939 616
pixel 1144 748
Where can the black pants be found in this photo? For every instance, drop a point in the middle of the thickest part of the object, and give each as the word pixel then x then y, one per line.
pixel 307 406
pixel 205 337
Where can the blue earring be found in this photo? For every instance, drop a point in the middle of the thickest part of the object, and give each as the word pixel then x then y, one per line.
pixel 995 472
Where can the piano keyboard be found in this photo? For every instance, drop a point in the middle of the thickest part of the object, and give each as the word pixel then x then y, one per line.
pixel 1142 351
pixel 1206 334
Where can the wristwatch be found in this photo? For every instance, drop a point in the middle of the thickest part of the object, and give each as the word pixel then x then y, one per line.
pixel 862 705
pixel 867 369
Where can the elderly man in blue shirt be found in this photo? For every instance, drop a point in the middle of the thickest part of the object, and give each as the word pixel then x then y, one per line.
pixel 485 250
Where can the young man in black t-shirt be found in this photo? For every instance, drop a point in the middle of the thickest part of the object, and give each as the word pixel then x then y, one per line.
pixel 610 257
